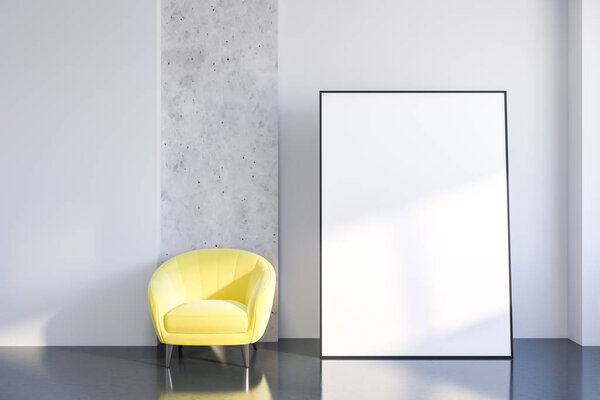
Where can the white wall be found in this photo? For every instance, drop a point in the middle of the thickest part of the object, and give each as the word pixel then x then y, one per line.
pixel 584 172
pixel 515 45
pixel 574 302
pixel 590 172
pixel 79 220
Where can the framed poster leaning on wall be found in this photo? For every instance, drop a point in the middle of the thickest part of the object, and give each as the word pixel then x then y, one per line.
pixel 415 257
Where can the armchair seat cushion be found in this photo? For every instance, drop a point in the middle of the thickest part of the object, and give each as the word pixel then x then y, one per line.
pixel 207 316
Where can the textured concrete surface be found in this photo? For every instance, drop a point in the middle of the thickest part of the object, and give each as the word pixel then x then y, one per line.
pixel 219 128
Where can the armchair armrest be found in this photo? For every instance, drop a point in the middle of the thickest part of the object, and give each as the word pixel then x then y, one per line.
pixel 260 299
pixel 162 297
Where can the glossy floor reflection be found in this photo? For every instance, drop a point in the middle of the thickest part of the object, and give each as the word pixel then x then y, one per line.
pixel 292 369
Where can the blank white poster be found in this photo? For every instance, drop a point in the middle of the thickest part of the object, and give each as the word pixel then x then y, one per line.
pixel 414 224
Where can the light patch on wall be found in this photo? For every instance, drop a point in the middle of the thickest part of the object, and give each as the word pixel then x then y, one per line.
pixel 26 331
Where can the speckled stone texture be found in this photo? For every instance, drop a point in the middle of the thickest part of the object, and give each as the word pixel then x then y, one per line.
pixel 219 128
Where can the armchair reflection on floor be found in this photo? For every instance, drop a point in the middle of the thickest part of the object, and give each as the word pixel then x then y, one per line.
pixel 256 388
pixel 212 297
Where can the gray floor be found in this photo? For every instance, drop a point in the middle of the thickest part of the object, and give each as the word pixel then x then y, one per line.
pixel 292 369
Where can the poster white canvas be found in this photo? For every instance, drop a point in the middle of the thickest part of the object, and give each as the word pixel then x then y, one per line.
pixel 414 224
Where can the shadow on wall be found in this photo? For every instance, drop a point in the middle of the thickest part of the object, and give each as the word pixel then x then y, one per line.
pixel 112 315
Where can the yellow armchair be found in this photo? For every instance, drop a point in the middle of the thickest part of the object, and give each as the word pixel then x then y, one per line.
pixel 212 297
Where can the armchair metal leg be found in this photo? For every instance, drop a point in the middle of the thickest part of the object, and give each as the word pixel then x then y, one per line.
pixel 168 380
pixel 168 353
pixel 254 346
pixel 246 354
pixel 246 385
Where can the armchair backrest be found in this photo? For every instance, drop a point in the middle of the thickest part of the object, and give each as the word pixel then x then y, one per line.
pixel 215 274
